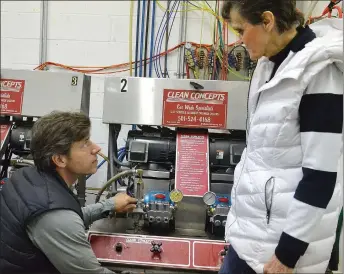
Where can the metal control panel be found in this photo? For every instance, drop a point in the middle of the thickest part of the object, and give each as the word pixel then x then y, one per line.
pixel 37 93
pixel 175 102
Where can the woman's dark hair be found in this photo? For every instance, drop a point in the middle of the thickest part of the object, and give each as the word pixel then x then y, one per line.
pixel 285 12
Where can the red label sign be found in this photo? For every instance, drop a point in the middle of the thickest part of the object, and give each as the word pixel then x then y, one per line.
pixel 192 164
pixel 207 254
pixel 189 108
pixel 134 250
pixel 4 129
pixel 11 95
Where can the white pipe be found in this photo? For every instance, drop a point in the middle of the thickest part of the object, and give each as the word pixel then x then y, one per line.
pixel 43 32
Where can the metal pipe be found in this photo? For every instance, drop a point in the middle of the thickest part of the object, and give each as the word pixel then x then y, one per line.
pixel 43 32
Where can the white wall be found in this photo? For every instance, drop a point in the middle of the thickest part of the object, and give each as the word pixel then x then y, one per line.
pixel 88 33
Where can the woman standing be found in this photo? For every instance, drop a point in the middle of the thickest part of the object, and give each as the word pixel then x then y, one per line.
pixel 286 197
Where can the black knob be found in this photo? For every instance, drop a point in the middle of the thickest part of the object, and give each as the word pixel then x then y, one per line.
pixel 223 253
pixel 226 247
pixel 118 247
pixel 156 247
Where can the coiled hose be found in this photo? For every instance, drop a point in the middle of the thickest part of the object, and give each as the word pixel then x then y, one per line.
pixel 115 178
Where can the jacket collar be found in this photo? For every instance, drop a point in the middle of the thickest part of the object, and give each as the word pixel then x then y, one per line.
pixel 304 35
pixel 326 49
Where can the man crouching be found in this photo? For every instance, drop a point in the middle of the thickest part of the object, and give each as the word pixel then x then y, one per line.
pixel 42 223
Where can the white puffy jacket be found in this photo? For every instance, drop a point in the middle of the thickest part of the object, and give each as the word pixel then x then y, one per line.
pixel 294 145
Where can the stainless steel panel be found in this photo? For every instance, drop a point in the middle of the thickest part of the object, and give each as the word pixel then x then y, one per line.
pixel 156 174
pixel 142 103
pixel 46 91
pixel 222 177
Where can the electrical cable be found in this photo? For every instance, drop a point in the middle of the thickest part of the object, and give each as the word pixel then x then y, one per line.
pixel 151 40
pixel 137 35
pixel 142 33
pixel 131 36
pixel 114 138
pixel 159 37
pixel 208 4
pixel 101 68
pixel 168 33
pixel 146 40
pixel 167 36
pixel 162 34
pixel 157 57
pixel 156 46
pixel 189 2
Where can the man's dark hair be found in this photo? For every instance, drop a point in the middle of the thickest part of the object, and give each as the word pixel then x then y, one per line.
pixel 285 12
pixel 54 134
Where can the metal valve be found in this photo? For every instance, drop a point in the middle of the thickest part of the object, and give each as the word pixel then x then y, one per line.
pixel 156 247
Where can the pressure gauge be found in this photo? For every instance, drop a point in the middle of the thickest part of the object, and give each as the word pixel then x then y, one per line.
pixel 209 198
pixel 176 195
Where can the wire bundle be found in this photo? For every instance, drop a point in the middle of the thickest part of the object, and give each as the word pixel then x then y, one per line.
pixel 209 61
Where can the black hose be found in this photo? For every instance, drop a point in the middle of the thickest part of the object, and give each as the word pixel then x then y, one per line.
pixel 137 34
pixel 113 179
pixel 111 152
pixel 146 41
pixel 114 136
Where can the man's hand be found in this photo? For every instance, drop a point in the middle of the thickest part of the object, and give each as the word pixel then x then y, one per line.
pixel 275 266
pixel 124 202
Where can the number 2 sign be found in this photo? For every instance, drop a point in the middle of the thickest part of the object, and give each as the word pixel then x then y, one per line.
pixel 124 85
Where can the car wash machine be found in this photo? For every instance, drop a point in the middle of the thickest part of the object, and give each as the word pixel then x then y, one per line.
pixel 183 141
pixel 24 97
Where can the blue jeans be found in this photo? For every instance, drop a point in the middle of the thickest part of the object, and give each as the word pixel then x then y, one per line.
pixel 232 264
